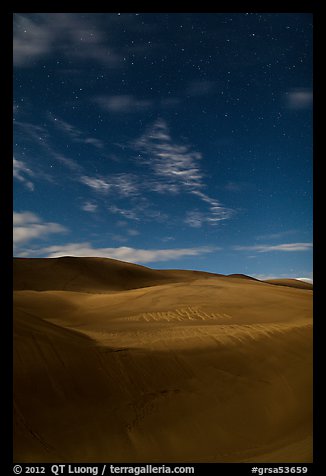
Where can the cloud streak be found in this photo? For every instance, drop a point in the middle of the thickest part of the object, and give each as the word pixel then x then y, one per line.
pixel 124 253
pixel 123 103
pixel 299 98
pixel 286 247
pixel 22 173
pixel 74 133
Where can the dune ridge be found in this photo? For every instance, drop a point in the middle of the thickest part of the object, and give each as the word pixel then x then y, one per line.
pixel 295 283
pixel 102 275
pixel 186 368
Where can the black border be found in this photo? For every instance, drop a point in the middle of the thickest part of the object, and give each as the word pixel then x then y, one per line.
pixel 6 190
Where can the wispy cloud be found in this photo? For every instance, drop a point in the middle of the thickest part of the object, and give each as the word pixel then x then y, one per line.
pixel 123 185
pixel 40 136
pixel 67 161
pixel 124 253
pixel 75 133
pixel 28 226
pixel 217 211
pixel 23 173
pixel 36 35
pixel 276 236
pixel 177 169
pixel 132 232
pixel 31 41
pixel 131 214
pixel 170 102
pixel 89 207
pixel 299 98
pixel 175 163
pixel 34 132
pixel 196 219
pixel 286 247
pixel 123 103
pixel 141 210
pixel 235 187
pixel 99 184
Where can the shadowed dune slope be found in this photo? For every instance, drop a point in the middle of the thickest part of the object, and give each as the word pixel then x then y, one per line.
pixel 204 370
pixel 242 276
pixel 91 274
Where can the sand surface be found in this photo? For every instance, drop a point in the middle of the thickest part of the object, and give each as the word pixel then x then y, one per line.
pixel 115 362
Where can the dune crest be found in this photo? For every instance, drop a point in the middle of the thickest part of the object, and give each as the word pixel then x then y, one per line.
pixel 116 362
pixel 293 283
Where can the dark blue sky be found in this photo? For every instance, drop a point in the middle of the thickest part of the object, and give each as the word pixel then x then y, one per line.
pixel 177 140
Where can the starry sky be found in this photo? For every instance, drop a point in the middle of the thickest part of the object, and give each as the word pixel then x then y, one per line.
pixel 173 140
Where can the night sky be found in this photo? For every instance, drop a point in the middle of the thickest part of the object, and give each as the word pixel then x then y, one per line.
pixel 174 140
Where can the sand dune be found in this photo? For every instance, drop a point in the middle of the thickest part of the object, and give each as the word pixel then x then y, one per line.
pixel 243 276
pixel 169 366
pixel 92 274
pixel 293 283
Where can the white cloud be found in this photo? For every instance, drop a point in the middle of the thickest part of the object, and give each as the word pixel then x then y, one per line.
pixel 98 184
pixel 28 226
pixel 22 218
pixel 123 103
pixel 306 280
pixel 124 253
pixel 89 207
pixel 300 98
pixel 20 171
pixel 287 247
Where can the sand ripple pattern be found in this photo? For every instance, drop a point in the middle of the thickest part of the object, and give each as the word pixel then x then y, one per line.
pixel 188 313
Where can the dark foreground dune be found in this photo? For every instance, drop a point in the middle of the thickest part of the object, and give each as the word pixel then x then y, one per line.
pixel 115 362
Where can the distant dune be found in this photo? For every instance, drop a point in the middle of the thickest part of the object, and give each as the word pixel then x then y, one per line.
pixel 92 275
pixel 293 283
pixel 115 362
